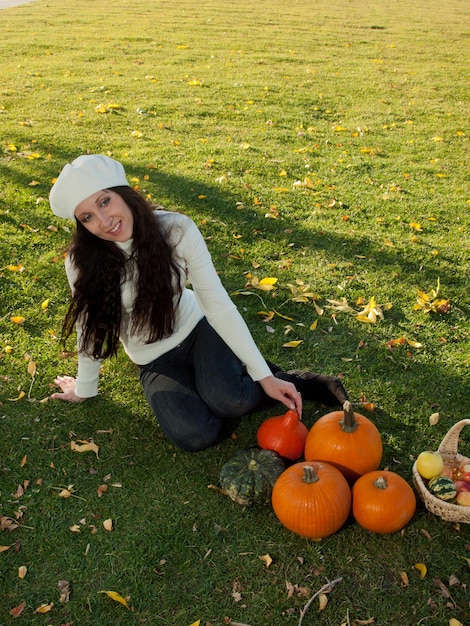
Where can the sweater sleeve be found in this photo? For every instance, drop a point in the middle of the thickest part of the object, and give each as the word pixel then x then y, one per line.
pixel 217 305
pixel 88 368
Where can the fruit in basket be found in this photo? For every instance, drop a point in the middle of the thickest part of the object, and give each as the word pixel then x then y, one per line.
pixel 464 472
pixel 463 498
pixel 443 488
pixel 429 464
pixel 448 471
pixel 461 485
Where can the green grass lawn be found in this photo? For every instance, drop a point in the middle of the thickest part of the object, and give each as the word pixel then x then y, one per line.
pixel 322 144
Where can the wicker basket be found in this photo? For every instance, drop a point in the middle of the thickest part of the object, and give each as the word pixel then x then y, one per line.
pixel 448 449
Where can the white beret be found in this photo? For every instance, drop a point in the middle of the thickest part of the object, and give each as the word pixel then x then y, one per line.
pixel 82 178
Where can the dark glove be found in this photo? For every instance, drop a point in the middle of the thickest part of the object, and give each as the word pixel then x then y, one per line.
pixel 327 390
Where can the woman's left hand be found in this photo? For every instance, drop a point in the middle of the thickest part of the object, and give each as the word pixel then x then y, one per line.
pixel 283 391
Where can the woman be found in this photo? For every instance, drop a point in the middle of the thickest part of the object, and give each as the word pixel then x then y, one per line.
pixel 128 266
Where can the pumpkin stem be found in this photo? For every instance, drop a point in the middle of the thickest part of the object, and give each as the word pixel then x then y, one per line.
pixel 290 419
pixel 309 475
pixel 348 423
pixel 253 465
pixel 381 482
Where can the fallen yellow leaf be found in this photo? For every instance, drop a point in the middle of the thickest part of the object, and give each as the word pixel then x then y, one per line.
pixel 114 595
pixel 322 601
pixel 44 608
pixel 31 156
pixel 414 344
pixel 88 446
pixel 267 315
pixel 30 228
pixel 108 525
pixel 284 317
pixel 372 311
pixel 32 368
pixel 340 305
pixel 292 344
pixel 266 284
pixel 20 395
pixel 17 319
pixel 22 571
pixel 101 490
pixel 266 559
pixel 429 302
pixel 422 569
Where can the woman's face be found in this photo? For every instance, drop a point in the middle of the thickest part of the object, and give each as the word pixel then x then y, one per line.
pixel 106 215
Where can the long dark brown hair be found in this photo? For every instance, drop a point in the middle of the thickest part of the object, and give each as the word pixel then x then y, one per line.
pixel 102 268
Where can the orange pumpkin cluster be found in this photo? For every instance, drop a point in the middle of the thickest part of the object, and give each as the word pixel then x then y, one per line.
pixel 340 475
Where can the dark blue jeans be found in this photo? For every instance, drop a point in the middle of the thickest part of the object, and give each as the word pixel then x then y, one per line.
pixel 199 390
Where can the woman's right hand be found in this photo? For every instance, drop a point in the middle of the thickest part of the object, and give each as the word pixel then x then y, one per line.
pixel 67 385
pixel 283 391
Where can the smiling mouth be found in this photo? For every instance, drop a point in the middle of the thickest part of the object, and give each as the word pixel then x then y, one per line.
pixel 115 229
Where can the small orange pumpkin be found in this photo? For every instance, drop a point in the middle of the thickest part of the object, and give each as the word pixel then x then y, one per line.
pixel 347 440
pixel 285 434
pixel 382 501
pixel 312 499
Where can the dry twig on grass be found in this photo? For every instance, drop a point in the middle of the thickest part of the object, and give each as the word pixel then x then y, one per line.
pixel 325 589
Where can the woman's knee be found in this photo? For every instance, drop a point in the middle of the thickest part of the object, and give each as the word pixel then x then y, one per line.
pixel 231 401
pixel 191 441
pixel 192 428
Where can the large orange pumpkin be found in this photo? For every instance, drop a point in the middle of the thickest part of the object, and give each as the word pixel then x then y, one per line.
pixel 383 501
pixel 347 440
pixel 285 434
pixel 312 499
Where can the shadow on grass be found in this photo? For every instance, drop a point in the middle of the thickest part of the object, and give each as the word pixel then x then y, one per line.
pixel 406 380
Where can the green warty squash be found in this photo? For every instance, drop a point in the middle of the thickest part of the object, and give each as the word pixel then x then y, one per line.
pixel 443 488
pixel 248 477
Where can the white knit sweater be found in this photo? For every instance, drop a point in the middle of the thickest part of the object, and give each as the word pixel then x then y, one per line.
pixel 207 298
